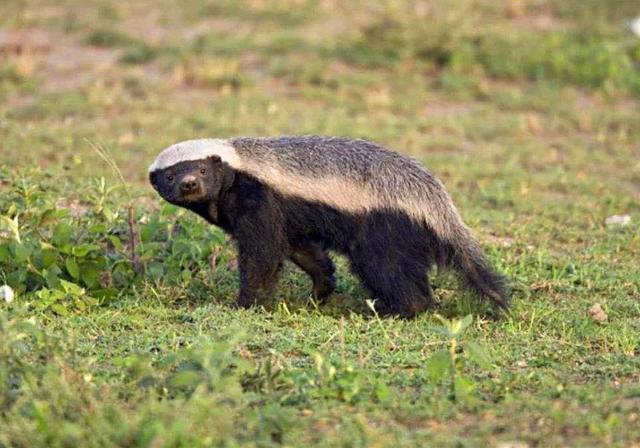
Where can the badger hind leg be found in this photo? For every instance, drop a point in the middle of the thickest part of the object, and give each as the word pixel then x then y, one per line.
pixel 313 260
pixel 398 291
pixel 391 257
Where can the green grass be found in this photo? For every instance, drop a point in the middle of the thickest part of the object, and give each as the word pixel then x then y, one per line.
pixel 527 110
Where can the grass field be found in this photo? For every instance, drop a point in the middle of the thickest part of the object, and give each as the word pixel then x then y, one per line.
pixel 528 110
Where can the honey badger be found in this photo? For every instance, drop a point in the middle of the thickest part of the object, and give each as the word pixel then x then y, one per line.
pixel 296 198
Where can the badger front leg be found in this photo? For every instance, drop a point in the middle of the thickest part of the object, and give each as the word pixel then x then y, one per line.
pixel 262 248
pixel 258 279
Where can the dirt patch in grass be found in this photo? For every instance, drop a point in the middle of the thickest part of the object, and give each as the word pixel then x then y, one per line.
pixel 24 41
pixel 70 64
pixel 440 108
pixel 543 21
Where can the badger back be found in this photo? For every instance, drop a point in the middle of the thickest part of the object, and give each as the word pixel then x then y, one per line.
pixel 352 175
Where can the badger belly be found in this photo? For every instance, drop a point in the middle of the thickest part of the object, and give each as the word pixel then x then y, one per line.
pixel 389 233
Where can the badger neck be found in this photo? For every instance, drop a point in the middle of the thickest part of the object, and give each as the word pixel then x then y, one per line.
pixel 213 210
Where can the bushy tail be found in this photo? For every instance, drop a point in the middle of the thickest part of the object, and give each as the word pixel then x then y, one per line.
pixel 470 261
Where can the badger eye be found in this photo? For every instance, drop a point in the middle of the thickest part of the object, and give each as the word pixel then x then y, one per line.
pixel 170 178
pixel 203 171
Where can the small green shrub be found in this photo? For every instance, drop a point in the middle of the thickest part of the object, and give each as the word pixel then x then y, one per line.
pixel 13 79
pixel 140 53
pixel 71 254
pixel 449 363
pixel 109 38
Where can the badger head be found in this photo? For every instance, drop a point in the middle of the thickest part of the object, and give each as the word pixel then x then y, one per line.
pixel 193 172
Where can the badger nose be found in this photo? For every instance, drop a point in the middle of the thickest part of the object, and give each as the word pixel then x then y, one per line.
pixel 189 184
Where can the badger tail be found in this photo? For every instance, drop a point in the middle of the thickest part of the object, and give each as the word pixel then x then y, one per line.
pixel 469 260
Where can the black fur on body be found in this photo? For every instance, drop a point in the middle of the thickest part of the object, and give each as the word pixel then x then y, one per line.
pixel 255 195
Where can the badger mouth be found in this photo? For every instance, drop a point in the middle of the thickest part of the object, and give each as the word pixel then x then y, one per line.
pixel 196 196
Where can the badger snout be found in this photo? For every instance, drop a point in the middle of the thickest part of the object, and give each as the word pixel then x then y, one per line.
pixel 189 185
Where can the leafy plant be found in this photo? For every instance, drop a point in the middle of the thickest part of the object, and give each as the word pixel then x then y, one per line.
pixel 140 53
pixel 327 378
pixel 449 363
pixel 42 244
pixel 77 253
pixel 109 38
pixel 62 299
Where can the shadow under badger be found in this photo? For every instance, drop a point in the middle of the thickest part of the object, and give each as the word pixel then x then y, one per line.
pixel 296 198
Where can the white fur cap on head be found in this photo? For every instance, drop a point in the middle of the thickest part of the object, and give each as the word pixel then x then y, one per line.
pixel 195 150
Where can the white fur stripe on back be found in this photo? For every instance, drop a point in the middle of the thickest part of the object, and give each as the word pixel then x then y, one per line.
pixel 196 150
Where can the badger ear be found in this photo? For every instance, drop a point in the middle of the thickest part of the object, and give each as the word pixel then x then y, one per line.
pixel 214 160
pixel 228 176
